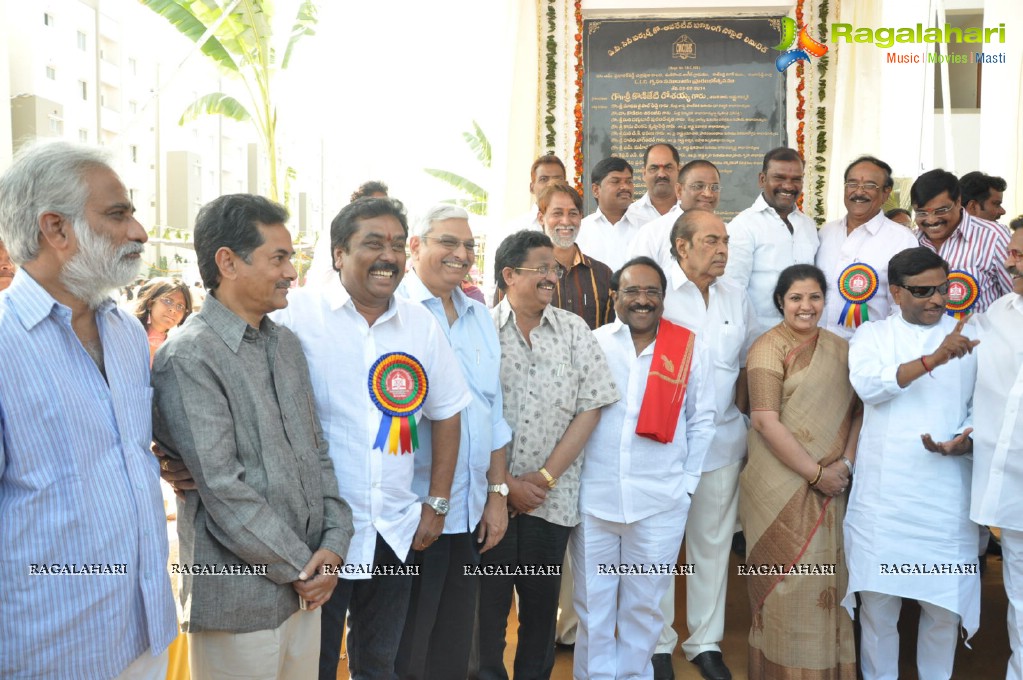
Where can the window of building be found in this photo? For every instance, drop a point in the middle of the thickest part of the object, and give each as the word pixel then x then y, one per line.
pixel 133 106
pixel 83 136
pixel 84 87
pixel 51 73
pixel 81 41
pixel 56 125
pixel 48 19
pixel 133 66
pixel 134 153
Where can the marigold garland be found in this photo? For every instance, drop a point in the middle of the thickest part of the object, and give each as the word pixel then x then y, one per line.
pixel 578 149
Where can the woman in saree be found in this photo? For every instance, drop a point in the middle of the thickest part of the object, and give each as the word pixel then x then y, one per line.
pixel 805 422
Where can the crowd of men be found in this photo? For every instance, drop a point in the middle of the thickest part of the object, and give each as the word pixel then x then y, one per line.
pixel 382 454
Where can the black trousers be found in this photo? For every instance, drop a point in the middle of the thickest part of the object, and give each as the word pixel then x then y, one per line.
pixel 376 610
pixel 529 542
pixel 438 629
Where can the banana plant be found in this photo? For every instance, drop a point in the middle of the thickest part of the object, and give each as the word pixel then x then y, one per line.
pixel 474 198
pixel 237 36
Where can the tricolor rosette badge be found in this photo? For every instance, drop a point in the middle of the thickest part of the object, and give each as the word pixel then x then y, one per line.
pixel 398 387
pixel 857 284
pixel 963 292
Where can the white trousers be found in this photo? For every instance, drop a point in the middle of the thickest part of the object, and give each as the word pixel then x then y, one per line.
pixel 291 650
pixel 937 637
pixel 626 602
pixel 147 667
pixel 1012 576
pixel 568 620
pixel 709 531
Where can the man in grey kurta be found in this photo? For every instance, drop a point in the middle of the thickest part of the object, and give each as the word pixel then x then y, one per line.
pixel 262 533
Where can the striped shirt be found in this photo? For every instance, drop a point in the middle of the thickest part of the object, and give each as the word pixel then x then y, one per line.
pixel 584 290
pixel 84 589
pixel 978 247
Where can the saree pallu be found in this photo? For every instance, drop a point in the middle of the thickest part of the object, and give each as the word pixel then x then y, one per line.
pixel 799 631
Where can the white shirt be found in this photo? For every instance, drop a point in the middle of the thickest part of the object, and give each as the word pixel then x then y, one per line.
pixel 626 477
pixel 998 416
pixel 874 243
pixel 909 505
pixel 606 242
pixel 760 247
pixel 341 349
pixel 654 239
pixel 643 211
pixel 728 327
pixel 484 430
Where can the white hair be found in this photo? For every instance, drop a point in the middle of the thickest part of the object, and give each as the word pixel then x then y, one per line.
pixel 45 177
pixel 437 213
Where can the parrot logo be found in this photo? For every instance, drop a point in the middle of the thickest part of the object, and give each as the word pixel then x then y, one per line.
pixel 805 45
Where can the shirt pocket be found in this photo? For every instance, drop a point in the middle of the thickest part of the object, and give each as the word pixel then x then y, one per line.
pixel 728 345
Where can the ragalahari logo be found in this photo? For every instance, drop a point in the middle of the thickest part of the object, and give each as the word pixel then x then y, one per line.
pixel 806 46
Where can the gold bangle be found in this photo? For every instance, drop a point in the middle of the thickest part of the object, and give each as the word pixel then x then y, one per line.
pixel 817 479
pixel 551 480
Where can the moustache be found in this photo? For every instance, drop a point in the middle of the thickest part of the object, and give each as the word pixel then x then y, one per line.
pixel 642 308
pixel 1013 271
pixel 384 268
pixel 284 283
pixel 130 249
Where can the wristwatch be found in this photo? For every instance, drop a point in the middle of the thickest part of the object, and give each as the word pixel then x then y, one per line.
pixel 439 505
pixel 501 488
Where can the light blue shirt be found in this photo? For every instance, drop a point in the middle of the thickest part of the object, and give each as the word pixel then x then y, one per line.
pixel 79 491
pixel 474 340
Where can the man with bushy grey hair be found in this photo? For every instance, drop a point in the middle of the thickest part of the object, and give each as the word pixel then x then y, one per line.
pixel 439 625
pixel 79 489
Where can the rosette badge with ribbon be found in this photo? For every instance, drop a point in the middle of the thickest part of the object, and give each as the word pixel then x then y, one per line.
pixel 856 285
pixel 963 292
pixel 397 386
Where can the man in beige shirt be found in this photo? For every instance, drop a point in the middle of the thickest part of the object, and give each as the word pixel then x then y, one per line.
pixel 555 379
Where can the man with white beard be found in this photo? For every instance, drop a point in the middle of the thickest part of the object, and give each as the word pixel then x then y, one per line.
pixel 79 489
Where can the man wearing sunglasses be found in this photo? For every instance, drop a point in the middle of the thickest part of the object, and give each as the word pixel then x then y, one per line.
pixel 855 249
pixel 997 498
pixel 908 532
pixel 969 244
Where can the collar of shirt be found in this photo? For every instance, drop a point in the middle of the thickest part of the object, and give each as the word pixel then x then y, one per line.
pixel 337 296
pixel 872 226
pixel 677 278
pixel 503 312
pixel 1017 302
pixel 231 328
pixel 617 328
pixel 598 216
pixel 761 205
pixel 32 304
pixel 417 291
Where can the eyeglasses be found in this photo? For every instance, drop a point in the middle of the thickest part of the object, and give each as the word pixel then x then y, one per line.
pixel 176 306
pixel 926 291
pixel 852 185
pixel 452 243
pixel 938 212
pixel 700 186
pixel 634 292
pixel 1014 254
pixel 543 270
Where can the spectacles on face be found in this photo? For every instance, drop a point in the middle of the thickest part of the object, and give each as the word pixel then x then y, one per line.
pixel 926 291
pixel 176 306
pixel 853 185
pixel 543 270
pixel 937 212
pixel 1014 254
pixel 451 243
pixel 698 187
pixel 633 292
